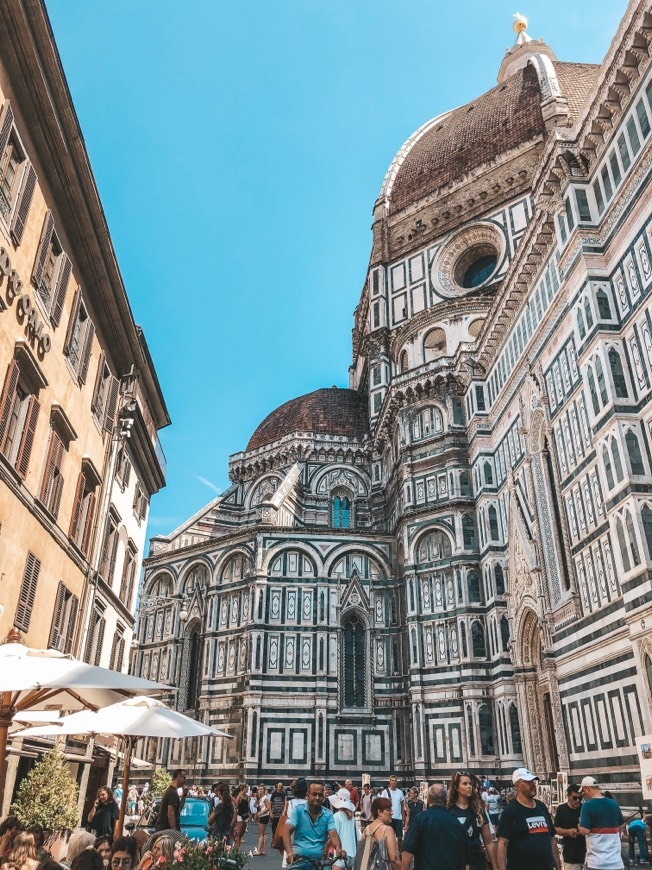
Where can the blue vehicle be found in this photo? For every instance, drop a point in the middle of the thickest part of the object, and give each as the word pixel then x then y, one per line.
pixel 194 818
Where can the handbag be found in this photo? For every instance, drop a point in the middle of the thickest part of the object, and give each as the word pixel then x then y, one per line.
pixel 277 839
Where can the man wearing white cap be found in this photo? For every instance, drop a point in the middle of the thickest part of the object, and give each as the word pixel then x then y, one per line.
pixel 600 822
pixel 526 834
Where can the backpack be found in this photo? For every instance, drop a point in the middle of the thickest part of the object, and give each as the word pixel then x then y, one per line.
pixel 371 854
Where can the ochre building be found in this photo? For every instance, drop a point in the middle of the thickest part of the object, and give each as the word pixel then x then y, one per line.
pixel 448 564
pixel 80 403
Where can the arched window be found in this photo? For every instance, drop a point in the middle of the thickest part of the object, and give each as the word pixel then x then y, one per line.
pixel 341 512
pixel 606 461
pixel 493 524
pixel 602 386
pixel 504 633
pixel 259 652
pixel 618 466
pixel 634 453
pixel 485 720
pixel 435 545
pixel 488 474
pixel 593 391
pixel 515 728
pixel 646 518
pixel 469 723
pixel 478 640
pixel 580 323
pixel 427 422
pixel 631 534
pixel 648 671
pixel 473 583
pixel 465 485
pixel 193 669
pixel 468 532
pixel 588 314
pixel 499 577
pixel 465 649
pixel 604 309
pixel 403 364
pixel 622 544
pixel 617 374
pixel 353 662
pixel 434 345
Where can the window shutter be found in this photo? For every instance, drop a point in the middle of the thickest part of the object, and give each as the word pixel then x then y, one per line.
pixel 88 527
pixel 60 290
pixel 99 377
pixel 22 207
pixel 7 397
pixel 57 620
pixel 101 625
pixel 27 593
pixel 74 314
pixel 86 351
pixel 121 655
pixel 27 439
pixel 46 236
pixel 52 465
pixel 5 129
pixel 77 507
pixel 72 622
pixel 56 495
pixel 114 650
pixel 132 577
pixel 114 553
pixel 144 503
pixel 111 403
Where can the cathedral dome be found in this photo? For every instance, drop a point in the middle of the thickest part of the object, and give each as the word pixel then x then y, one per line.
pixel 329 411
pixel 453 144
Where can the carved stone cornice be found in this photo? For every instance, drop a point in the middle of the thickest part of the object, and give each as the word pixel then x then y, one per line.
pixel 442 211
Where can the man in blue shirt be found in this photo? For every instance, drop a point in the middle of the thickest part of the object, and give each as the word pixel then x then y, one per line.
pixel 601 821
pixel 310 829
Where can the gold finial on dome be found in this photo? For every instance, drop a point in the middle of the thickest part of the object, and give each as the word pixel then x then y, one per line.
pixel 520 22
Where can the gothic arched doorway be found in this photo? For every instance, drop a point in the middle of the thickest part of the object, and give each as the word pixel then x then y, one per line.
pixel 543 744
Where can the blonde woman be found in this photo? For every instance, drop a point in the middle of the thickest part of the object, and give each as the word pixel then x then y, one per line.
pixel 262 819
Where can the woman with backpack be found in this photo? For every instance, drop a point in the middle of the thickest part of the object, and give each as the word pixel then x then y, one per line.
pixel 378 846
pixel 465 803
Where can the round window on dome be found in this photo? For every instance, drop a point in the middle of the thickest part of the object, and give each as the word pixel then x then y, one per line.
pixel 476 266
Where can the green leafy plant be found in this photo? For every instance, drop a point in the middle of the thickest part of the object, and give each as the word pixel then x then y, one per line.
pixel 161 779
pixel 212 854
pixel 48 796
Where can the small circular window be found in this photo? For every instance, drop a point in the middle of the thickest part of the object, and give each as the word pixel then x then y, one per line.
pixel 476 266
pixel 479 271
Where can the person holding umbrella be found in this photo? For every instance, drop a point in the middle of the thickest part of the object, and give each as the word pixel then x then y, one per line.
pixel 103 817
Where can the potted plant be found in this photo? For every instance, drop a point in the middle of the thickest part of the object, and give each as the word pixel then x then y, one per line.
pixel 48 798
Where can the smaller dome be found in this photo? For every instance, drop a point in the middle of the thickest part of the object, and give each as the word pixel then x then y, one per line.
pixel 329 411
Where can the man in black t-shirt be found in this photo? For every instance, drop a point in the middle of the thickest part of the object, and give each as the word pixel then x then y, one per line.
pixel 169 814
pixel 567 819
pixel 526 834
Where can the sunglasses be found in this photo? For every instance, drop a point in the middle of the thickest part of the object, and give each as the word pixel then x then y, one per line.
pixel 576 797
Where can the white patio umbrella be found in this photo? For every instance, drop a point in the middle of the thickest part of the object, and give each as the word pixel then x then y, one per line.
pixel 32 679
pixel 130 719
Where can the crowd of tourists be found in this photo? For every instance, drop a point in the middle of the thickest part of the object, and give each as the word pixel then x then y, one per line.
pixel 464 824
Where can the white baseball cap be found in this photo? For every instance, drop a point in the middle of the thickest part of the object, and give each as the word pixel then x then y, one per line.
pixel 589 782
pixel 522 773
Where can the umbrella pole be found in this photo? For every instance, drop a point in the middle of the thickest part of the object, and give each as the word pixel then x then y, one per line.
pixel 125 782
pixel 5 723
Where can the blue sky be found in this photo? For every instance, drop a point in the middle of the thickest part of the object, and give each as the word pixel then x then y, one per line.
pixel 238 149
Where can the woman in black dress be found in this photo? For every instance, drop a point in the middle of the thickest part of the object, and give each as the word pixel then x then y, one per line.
pixel 103 816
pixel 465 803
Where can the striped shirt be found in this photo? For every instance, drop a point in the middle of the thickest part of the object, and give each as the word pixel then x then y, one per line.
pixel 603 818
